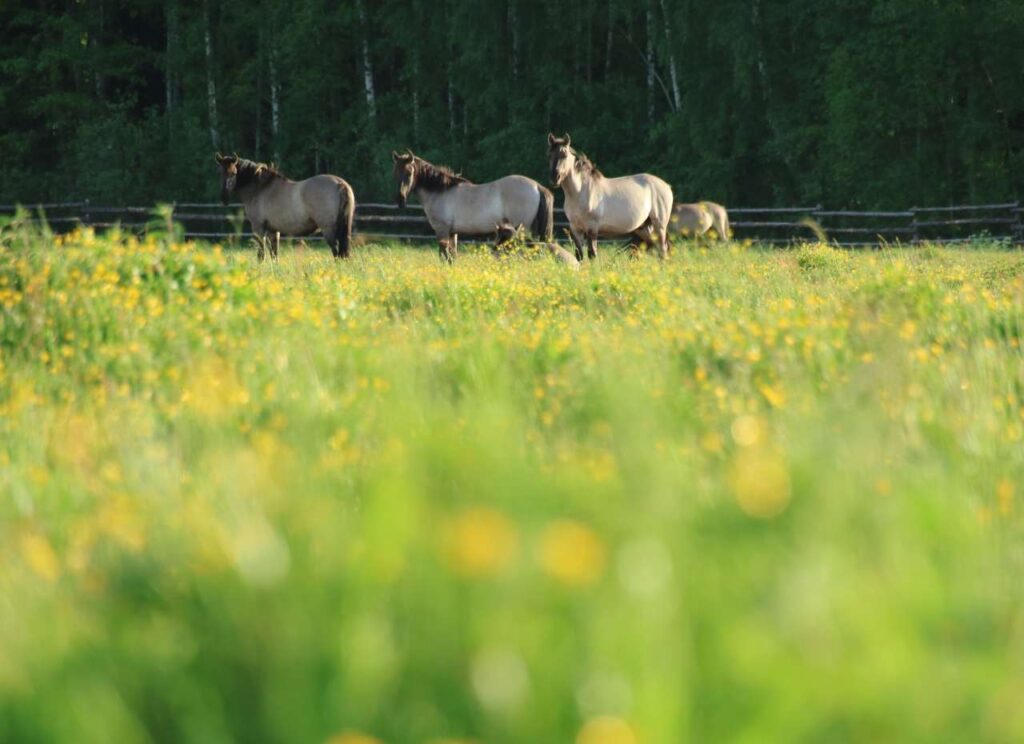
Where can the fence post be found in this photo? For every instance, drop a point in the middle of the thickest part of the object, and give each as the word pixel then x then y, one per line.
pixel 913 223
pixel 86 214
pixel 1016 229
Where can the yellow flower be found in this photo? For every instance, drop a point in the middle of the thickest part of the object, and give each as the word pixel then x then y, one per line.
pixel 353 737
pixel 1004 496
pixel 606 730
pixel 572 553
pixel 40 556
pixel 479 541
pixel 760 483
pixel 746 431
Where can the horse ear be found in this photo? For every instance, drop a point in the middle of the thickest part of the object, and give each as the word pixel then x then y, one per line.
pixel 551 139
pixel 218 157
pixel 568 140
pixel 409 154
pixel 395 156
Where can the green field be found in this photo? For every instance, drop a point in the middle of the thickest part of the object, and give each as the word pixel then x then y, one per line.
pixel 745 496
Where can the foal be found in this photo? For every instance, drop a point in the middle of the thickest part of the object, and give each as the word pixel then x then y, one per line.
pixel 505 234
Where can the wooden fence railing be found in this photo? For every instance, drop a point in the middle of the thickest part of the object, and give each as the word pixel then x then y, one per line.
pixel 776 225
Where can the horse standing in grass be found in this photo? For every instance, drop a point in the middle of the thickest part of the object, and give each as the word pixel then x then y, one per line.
pixel 638 205
pixel 275 204
pixel 454 205
pixel 697 219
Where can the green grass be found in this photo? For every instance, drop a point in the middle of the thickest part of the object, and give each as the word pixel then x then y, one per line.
pixel 744 496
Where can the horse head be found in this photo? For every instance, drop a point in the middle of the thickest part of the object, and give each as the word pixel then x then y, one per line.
pixel 405 174
pixel 561 157
pixel 228 174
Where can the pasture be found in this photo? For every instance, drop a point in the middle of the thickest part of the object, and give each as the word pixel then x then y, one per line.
pixel 743 495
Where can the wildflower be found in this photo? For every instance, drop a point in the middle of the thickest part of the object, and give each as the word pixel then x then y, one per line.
pixel 572 553
pixel 760 483
pixel 353 737
pixel 40 556
pixel 479 542
pixel 606 730
pixel 1004 497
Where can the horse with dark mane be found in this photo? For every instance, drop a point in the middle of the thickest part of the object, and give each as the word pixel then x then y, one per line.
pixel 456 205
pixel 639 205
pixel 275 204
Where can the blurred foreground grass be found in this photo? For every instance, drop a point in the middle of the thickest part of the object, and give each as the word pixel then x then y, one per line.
pixel 747 496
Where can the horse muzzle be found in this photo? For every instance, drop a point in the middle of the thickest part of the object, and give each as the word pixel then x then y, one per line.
pixel 401 199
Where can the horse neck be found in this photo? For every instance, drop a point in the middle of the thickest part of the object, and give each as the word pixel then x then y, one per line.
pixel 250 191
pixel 577 182
pixel 430 199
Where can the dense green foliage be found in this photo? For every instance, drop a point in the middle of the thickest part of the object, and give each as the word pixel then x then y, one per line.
pixel 742 496
pixel 844 102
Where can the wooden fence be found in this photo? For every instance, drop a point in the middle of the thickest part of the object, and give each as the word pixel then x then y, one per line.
pixel 780 226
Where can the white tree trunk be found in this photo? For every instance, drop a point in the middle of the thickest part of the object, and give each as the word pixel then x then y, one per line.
pixel 171 56
pixel 673 76
pixel 451 104
pixel 513 29
pixel 650 61
pixel 211 86
pixel 371 98
pixel 608 40
pixel 275 105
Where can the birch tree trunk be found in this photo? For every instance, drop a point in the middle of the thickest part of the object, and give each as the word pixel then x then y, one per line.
pixel 416 76
pixel 608 41
pixel 670 53
pixel 171 56
pixel 371 98
pixel 211 85
pixel 650 61
pixel 275 104
pixel 95 40
pixel 513 30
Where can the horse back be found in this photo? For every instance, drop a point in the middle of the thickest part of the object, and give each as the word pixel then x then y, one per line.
pixel 475 208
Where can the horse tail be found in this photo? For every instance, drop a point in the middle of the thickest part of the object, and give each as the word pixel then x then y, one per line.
pixel 722 222
pixel 725 225
pixel 544 223
pixel 346 213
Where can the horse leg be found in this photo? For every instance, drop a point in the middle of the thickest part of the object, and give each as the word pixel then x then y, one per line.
pixel 275 245
pixel 577 241
pixel 331 238
pixel 444 249
pixel 454 247
pixel 592 245
pixel 261 247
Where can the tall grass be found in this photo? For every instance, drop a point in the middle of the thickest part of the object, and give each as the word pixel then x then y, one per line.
pixel 743 496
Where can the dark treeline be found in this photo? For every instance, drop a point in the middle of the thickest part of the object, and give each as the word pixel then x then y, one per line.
pixel 856 103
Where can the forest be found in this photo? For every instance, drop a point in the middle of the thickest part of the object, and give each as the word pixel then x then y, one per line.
pixel 847 103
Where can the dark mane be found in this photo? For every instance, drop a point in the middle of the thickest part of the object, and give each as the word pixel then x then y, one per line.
pixel 585 164
pixel 436 177
pixel 250 172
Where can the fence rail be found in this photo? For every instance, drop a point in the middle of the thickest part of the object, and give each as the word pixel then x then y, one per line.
pixel 776 225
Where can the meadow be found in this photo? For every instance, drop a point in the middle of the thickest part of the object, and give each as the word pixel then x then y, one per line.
pixel 748 495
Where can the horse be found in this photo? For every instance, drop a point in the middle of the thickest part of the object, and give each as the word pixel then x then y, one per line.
pixel 639 205
pixel 505 233
pixel 275 204
pixel 697 219
pixel 456 205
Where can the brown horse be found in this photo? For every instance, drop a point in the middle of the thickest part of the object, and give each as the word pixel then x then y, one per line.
pixel 275 204
pixel 455 205
pixel 700 218
pixel 639 205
